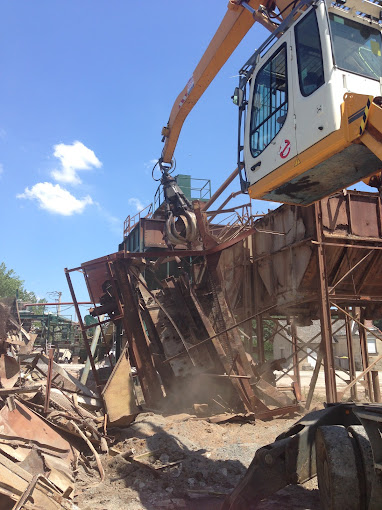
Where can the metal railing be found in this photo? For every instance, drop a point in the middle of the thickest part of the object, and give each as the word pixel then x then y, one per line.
pixel 193 192
pixel 131 221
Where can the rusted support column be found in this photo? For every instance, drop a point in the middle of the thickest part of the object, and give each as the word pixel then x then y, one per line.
pixel 376 386
pixel 83 332
pixel 247 297
pixel 147 374
pixel 257 303
pixel 296 365
pixel 48 381
pixel 325 315
pixel 313 380
pixel 260 339
pixel 164 369
pixel 364 354
pixel 349 341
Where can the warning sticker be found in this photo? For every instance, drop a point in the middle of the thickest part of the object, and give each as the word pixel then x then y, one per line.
pixel 190 84
pixel 284 149
pixel 297 162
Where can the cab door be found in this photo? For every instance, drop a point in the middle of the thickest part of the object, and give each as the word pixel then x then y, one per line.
pixel 270 139
pixel 312 97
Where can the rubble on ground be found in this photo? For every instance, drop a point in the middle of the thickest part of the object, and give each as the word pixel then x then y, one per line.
pixel 64 444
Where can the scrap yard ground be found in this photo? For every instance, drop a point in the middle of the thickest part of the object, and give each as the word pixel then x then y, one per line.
pixel 192 465
pixel 197 463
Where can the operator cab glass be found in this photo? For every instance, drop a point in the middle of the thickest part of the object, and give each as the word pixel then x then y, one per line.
pixel 309 54
pixel 270 102
pixel 357 47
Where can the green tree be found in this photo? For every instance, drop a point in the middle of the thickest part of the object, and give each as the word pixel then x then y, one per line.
pixel 268 333
pixel 11 286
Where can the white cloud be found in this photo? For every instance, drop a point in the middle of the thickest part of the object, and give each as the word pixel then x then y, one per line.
pixel 55 199
pixel 135 202
pixel 73 158
pixel 150 164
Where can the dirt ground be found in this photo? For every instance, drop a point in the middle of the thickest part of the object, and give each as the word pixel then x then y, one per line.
pixel 207 461
pixel 204 462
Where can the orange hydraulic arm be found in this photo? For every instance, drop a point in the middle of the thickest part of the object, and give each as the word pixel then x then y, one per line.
pixel 235 24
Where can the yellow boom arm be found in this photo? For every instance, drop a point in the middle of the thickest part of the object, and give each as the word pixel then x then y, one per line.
pixel 235 24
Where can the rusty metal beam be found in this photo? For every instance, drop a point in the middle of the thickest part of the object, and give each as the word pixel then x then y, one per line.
pixel 296 366
pixel 313 380
pixel 215 335
pixel 232 209
pixel 207 239
pixel 280 411
pixel 247 296
pixel 248 399
pixel 221 206
pixel 164 253
pixel 362 374
pixel 221 188
pixel 372 364
pixel 164 370
pixel 325 317
pixel 355 298
pixel 232 341
pixel 343 245
pixel 350 271
pixel 147 374
pixel 376 386
pixel 260 339
pixel 48 381
pixel 99 321
pixel 56 303
pixel 365 355
pixel 299 348
pixel 318 351
pixel 356 320
pixel 83 332
pixel 349 342
pixel 172 322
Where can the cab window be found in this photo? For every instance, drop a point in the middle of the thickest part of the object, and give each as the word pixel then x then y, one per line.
pixel 309 54
pixel 269 103
pixel 357 47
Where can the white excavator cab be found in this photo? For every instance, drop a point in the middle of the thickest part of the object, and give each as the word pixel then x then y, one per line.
pixel 313 117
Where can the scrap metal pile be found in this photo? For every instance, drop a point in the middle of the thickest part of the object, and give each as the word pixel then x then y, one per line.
pixel 183 337
pixel 179 335
pixel 51 423
pixel 48 422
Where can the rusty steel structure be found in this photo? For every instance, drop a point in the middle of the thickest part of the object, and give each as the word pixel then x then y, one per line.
pixel 213 319
pixel 325 267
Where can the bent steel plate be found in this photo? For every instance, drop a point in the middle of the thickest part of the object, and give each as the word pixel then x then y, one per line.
pixel 9 371
pixel 23 423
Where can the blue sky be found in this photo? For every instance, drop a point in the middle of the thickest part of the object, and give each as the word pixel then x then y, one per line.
pixel 86 87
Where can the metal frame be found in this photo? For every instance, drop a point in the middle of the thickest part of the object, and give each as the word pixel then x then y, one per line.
pixel 336 295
